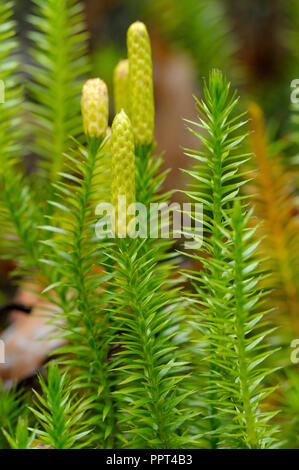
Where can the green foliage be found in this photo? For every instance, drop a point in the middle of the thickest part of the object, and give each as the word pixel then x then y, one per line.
pixel 23 438
pixel 60 414
pixel 18 212
pixel 150 316
pixel 77 256
pixel 60 64
pixel 143 364
pixel 243 386
pixel 227 301
pixel 11 407
pixel 290 410
pixel 10 125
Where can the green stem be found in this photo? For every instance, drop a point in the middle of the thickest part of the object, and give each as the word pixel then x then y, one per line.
pixel 146 345
pixel 241 343
pixel 89 319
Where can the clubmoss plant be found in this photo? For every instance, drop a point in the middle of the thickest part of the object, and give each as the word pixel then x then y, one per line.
pixel 141 94
pixel 123 169
pixel 59 46
pixel 22 437
pixel 61 415
pixel 11 407
pixel 95 108
pixel 121 86
pixel 226 312
pixel 149 360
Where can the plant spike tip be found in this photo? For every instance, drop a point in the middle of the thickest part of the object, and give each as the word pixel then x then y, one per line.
pixel 121 86
pixel 141 94
pixel 123 164
pixel 95 108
